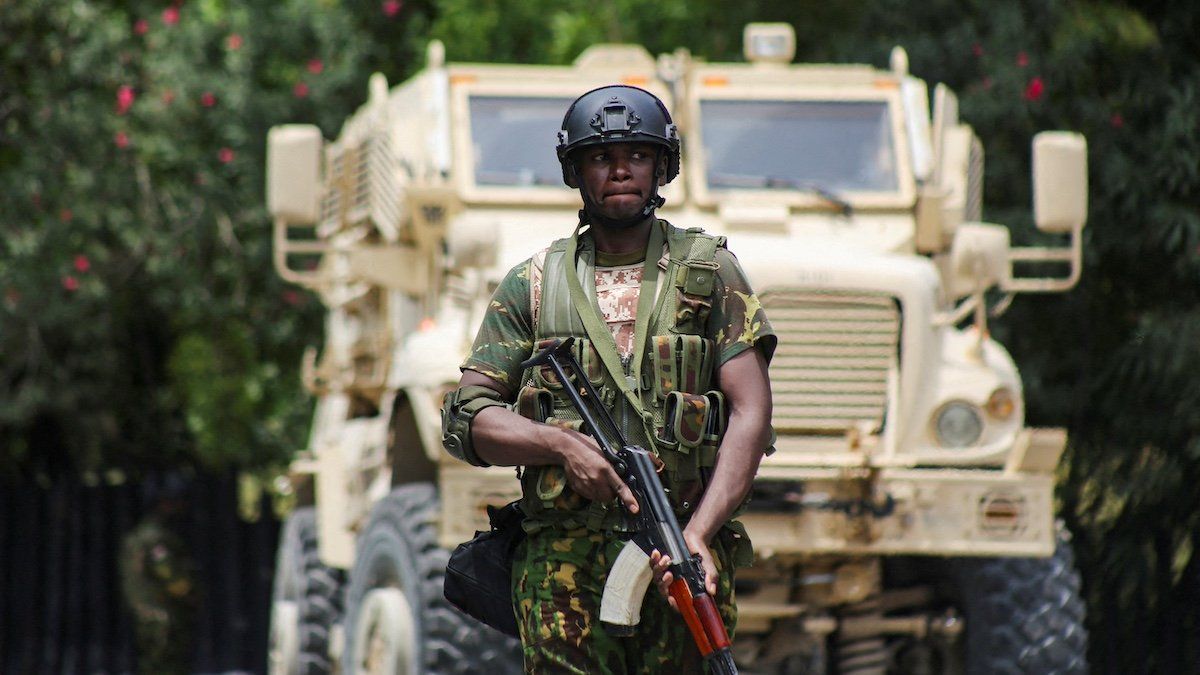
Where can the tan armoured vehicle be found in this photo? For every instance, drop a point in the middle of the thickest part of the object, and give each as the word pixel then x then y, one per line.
pixel 904 523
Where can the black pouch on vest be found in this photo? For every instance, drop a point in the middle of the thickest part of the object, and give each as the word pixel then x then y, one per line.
pixel 479 574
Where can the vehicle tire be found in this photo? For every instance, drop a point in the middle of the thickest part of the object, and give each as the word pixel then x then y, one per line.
pixel 397 619
pixel 306 601
pixel 1023 615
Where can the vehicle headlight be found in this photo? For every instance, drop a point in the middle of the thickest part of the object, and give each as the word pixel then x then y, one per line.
pixel 958 424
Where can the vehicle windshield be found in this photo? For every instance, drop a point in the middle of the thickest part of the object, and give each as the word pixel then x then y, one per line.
pixel 837 146
pixel 513 139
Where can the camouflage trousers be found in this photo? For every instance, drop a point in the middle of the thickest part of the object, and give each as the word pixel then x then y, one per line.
pixel 558 579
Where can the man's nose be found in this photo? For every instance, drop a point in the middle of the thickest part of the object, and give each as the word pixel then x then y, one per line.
pixel 619 169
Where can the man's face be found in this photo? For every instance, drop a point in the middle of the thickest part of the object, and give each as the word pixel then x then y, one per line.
pixel 619 176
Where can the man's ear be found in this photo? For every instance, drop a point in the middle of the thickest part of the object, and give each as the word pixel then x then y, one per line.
pixel 661 171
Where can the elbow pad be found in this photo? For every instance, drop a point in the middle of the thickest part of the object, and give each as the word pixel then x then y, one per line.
pixel 459 408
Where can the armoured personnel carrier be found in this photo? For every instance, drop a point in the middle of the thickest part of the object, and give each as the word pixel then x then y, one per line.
pixel 904 522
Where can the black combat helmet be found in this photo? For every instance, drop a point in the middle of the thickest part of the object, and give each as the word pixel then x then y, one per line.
pixel 616 114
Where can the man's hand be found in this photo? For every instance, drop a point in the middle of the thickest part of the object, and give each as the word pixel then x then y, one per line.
pixel 588 472
pixel 504 438
pixel 663 578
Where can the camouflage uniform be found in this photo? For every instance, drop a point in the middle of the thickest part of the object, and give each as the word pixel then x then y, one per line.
pixel 558 578
pixel 560 570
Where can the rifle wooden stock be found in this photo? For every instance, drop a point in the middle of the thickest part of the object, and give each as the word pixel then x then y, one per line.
pixel 655 518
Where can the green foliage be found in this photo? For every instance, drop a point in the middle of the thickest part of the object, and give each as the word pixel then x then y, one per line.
pixel 549 31
pixel 141 322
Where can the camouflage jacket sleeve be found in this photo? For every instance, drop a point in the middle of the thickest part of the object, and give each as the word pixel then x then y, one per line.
pixel 737 316
pixel 505 337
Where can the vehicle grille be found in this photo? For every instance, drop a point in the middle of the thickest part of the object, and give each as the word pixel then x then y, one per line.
pixel 830 371
pixel 362 188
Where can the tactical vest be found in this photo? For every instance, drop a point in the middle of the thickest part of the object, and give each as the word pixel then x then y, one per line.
pixel 683 419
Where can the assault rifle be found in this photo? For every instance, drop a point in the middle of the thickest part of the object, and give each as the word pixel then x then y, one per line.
pixel 655 521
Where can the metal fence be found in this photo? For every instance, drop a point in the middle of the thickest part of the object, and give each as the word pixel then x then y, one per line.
pixel 61 605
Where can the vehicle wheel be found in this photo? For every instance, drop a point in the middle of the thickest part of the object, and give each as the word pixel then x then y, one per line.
pixel 305 603
pixel 398 621
pixel 1023 615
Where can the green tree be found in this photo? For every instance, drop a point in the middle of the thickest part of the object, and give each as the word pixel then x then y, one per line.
pixel 141 322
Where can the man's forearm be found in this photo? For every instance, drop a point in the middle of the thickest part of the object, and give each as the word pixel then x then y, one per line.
pixel 737 463
pixel 748 392
pixel 502 437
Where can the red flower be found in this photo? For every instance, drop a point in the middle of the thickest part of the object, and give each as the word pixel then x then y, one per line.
pixel 300 90
pixel 66 215
pixel 986 82
pixel 70 283
pixel 233 42
pixel 207 99
pixel 121 139
pixel 170 16
pixel 225 155
pixel 140 27
pixel 315 66
pixel 391 7
pixel 1022 59
pixel 291 297
pixel 1035 89
pixel 168 96
pixel 82 264
pixel 1117 121
pixel 125 98
pixel 977 50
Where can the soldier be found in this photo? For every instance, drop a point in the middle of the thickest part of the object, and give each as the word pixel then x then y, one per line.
pixel 671 334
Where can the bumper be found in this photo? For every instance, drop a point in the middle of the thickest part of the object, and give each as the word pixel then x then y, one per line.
pixel 936 512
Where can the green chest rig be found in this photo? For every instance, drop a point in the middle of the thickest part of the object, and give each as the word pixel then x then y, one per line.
pixel 660 395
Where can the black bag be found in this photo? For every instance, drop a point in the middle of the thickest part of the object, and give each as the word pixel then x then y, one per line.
pixel 479 574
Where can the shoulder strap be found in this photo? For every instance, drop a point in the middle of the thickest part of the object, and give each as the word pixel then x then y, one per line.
pixel 537 264
pixel 556 314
